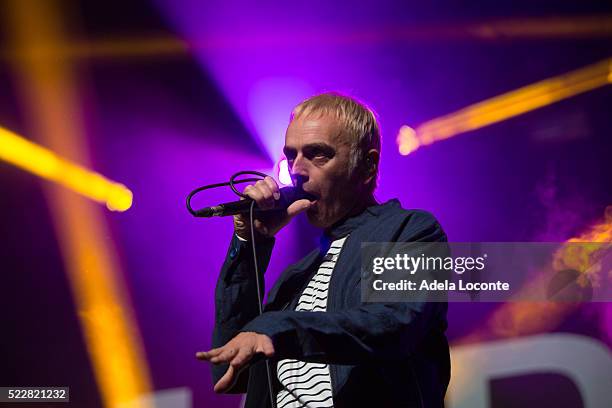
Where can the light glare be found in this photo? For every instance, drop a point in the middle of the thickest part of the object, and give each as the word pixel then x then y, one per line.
pixel 283 173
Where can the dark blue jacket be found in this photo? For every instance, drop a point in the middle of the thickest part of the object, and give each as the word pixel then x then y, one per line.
pixel 380 354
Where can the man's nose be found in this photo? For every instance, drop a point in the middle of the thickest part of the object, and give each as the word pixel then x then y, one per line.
pixel 299 180
pixel 299 172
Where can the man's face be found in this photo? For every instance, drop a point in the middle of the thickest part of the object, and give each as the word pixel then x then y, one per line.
pixel 318 158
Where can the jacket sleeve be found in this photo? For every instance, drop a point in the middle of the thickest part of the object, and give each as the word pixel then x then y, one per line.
pixel 372 331
pixel 236 297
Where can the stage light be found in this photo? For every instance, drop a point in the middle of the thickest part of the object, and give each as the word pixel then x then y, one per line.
pixel 524 318
pixel 506 106
pixel 52 108
pixel 284 176
pixel 46 164
pixel 407 140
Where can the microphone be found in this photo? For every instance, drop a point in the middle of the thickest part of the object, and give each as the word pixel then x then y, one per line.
pixel 288 195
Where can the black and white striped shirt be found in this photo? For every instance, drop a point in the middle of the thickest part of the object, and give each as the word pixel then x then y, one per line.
pixel 309 384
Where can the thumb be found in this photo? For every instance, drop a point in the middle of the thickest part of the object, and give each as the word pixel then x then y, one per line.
pixel 299 206
pixel 226 381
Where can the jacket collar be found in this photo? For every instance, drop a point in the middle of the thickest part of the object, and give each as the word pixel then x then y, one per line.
pixel 294 279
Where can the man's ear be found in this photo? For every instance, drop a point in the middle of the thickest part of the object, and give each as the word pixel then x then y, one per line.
pixel 371 165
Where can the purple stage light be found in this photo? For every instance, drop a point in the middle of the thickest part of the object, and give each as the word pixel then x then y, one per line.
pixel 284 176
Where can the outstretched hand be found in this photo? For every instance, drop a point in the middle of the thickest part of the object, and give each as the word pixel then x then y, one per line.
pixel 237 352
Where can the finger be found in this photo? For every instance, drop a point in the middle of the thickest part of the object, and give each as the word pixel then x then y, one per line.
pixel 266 347
pixel 299 206
pixel 225 356
pixel 273 186
pixel 242 357
pixel 253 192
pixel 268 199
pixel 207 355
pixel 226 381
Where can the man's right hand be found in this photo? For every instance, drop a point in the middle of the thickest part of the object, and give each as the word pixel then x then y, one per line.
pixel 265 192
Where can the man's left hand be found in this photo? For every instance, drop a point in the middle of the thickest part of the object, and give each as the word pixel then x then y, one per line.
pixel 237 352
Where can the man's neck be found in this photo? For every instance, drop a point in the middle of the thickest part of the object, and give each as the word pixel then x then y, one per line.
pixel 360 206
pixel 355 210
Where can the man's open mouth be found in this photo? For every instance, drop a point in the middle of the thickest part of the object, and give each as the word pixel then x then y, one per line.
pixel 311 196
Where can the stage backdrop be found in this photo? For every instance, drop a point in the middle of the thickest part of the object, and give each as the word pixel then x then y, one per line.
pixel 164 96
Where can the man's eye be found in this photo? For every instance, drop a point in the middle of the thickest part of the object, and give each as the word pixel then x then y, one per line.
pixel 317 155
pixel 320 158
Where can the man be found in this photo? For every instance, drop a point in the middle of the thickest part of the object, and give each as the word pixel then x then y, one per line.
pixel 326 347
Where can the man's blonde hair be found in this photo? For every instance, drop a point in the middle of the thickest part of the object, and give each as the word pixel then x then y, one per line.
pixel 358 122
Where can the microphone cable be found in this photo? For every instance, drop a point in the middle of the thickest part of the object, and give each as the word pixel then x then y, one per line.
pixel 231 183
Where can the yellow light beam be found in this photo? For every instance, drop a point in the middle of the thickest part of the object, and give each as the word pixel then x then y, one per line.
pixel 50 96
pixel 506 106
pixel 43 162
pixel 527 318
pixel 523 318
